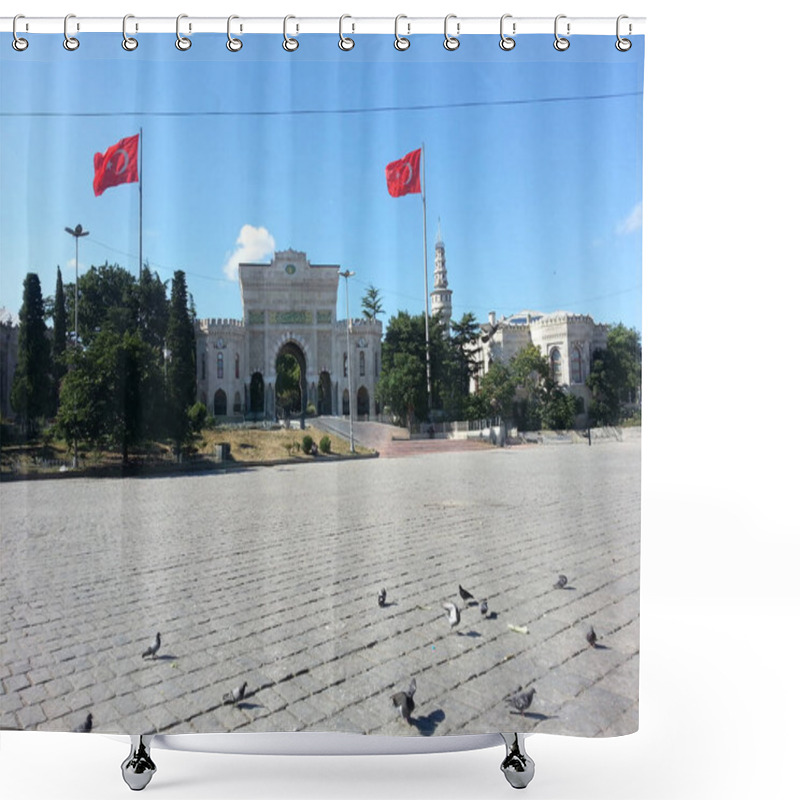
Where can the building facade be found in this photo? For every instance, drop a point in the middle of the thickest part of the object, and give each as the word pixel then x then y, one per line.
pixel 567 340
pixel 289 307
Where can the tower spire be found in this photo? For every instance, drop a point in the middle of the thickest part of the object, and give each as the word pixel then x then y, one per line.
pixel 441 296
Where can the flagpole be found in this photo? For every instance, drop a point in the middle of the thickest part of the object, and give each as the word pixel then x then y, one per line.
pixel 425 252
pixel 140 205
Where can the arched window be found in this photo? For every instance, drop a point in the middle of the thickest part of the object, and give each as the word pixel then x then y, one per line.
pixel 237 403
pixel 345 403
pixel 220 366
pixel 555 364
pixel 575 366
pixel 362 365
pixel 344 365
pixel 236 366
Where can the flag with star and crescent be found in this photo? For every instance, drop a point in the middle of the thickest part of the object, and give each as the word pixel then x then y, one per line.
pixel 119 164
pixel 403 175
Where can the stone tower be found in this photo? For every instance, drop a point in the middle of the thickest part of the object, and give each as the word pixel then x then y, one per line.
pixel 441 296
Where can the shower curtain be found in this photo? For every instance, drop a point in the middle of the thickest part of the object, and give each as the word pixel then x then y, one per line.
pixel 321 383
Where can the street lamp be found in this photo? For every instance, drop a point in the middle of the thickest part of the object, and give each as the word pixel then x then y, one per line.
pixel 346 275
pixel 77 233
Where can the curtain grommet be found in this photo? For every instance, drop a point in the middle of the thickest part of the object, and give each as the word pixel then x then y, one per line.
pixel 622 44
pixel 507 42
pixel 128 42
pixel 290 44
pixel 70 42
pixel 233 44
pixel 345 42
pixel 18 43
pixel 183 43
pixel 561 43
pixel 451 43
pixel 401 43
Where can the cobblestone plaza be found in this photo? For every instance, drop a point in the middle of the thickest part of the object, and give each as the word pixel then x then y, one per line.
pixel 270 576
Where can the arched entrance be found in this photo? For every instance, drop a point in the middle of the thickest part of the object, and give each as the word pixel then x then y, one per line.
pixel 220 403
pixel 345 403
pixel 325 404
pixel 362 403
pixel 257 394
pixel 291 390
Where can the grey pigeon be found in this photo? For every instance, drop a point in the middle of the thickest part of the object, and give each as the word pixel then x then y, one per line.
pixel 236 696
pixel 520 700
pixel 465 595
pixel 404 701
pixel 484 607
pixel 85 726
pixel 153 649
pixel 591 637
pixel 382 598
pixel 453 614
pixel 561 582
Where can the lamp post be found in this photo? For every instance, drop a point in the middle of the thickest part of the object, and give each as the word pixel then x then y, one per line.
pixel 347 274
pixel 77 233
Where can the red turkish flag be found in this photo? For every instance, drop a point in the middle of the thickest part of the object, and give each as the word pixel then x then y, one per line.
pixel 402 177
pixel 119 164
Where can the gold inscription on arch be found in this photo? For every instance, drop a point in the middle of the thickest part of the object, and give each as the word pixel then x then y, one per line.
pixel 291 318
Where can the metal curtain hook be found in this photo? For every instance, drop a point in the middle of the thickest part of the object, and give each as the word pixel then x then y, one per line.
pixel 451 42
pixel 507 42
pixel 19 44
pixel 400 42
pixel 233 44
pixel 560 43
pixel 181 42
pixel 345 43
pixel 289 44
pixel 623 45
pixel 128 42
pixel 70 42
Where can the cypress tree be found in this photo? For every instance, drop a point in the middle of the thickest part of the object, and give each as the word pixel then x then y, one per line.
pixel 31 388
pixel 59 336
pixel 180 367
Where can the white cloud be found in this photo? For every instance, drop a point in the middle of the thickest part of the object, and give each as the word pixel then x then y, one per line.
pixel 253 244
pixel 631 223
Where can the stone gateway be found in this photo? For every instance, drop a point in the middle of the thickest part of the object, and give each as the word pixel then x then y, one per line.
pixel 289 309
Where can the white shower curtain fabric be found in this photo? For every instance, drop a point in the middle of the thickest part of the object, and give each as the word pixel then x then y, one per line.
pixel 341 430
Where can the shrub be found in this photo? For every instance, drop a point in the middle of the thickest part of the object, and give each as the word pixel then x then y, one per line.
pixel 325 444
pixel 308 442
pixel 198 417
pixel 311 410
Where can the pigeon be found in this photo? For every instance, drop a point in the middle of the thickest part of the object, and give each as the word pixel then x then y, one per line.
pixel 561 582
pixel 85 726
pixel 153 649
pixel 236 696
pixel 453 614
pixel 465 595
pixel 484 607
pixel 520 700
pixel 591 637
pixel 382 598
pixel 404 701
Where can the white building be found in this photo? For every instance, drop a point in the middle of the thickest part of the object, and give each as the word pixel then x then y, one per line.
pixel 567 340
pixel 289 307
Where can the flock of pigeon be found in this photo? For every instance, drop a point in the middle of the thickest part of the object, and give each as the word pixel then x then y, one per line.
pixel 519 700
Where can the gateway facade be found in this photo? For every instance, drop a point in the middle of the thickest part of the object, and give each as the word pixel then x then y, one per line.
pixel 289 308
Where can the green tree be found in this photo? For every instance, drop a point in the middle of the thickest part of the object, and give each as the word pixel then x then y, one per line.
pixel 31 388
pixel 497 390
pixel 615 375
pixel 152 306
pixel 181 383
pixel 371 303
pixel 111 395
pixel 59 336
pixel 402 386
pixel 287 382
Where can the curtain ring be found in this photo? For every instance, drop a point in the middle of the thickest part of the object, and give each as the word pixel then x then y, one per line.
pixel 19 44
pixel 623 45
pixel 289 44
pixel 233 44
pixel 450 42
pixel 400 42
pixel 70 42
pixel 561 44
pixel 181 42
pixel 506 42
pixel 128 42
pixel 345 43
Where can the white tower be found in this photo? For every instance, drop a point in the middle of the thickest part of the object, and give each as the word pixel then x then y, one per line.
pixel 441 296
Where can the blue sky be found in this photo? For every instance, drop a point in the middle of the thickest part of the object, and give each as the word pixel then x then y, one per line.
pixel 533 165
